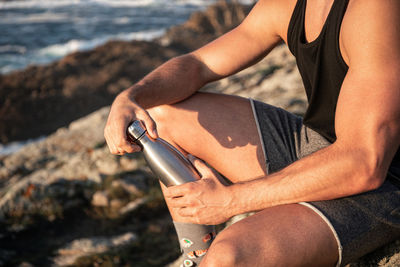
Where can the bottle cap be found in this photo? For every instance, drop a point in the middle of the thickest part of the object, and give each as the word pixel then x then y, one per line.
pixel 136 130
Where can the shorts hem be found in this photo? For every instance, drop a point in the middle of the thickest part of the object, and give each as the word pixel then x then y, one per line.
pixel 253 108
pixel 326 220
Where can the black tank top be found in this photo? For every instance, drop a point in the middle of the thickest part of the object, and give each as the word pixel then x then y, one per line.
pixel 322 68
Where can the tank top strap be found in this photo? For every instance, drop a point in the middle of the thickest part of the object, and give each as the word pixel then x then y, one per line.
pixel 295 25
pixel 336 20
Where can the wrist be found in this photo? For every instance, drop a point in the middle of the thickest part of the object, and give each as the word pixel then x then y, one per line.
pixel 127 95
pixel 239 204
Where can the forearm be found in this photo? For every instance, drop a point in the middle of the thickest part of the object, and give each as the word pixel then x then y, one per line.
pixel 330 173
pixel 172 82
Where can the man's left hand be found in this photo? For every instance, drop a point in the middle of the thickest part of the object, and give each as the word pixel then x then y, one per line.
pixel 206 201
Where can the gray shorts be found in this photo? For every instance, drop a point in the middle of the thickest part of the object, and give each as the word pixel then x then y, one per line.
pixel 360 223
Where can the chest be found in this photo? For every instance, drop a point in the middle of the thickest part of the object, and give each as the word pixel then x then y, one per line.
pixel 316 14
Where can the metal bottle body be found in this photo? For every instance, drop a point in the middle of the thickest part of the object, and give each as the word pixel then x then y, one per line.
pixel 166 162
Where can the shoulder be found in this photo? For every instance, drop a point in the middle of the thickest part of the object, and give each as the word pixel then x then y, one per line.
pixel 372 27
pixel 272 14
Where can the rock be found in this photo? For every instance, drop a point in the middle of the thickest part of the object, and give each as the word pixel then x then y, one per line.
pixel 100 199
pixel 72 87
pixel 6 255
pixel 116 204
pixel 82 82
pixel 85 246
pixel 133 184
pixel 129 163
pixel 131 206
pixel 177 262
pixel 203 27
pixel 106 163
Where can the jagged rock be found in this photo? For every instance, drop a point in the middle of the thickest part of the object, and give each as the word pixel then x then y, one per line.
pixel 133 184
pixel 131 206
pixel 75 86
pixel 116 204
pixel 5 255
pixel 105 163
pixel 85 246
pixel 82 82
pixel 129 163
pixel 203 27
pixel 100 199
pixel 26 264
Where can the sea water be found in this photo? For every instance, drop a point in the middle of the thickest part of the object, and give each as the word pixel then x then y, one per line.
pixel 41 31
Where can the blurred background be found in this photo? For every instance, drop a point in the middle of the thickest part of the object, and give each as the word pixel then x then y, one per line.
pixel 37 31
pixel 64 199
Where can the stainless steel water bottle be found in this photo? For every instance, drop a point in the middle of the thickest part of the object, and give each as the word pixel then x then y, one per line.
pixel 166 162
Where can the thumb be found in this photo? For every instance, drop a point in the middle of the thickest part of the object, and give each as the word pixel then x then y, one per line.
pixel 203 169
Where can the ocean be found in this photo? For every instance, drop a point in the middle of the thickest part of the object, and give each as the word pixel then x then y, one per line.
pixel 41 31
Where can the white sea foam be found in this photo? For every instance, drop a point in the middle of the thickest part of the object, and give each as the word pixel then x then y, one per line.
pixel 36 18
pixel 38 4
pixel 113 3
pixel 59 50
pixel 19 49
pixel 122 20
pixel 139 3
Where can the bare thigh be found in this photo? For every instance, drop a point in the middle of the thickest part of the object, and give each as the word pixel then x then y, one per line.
pixel 288 235
pixel 220 129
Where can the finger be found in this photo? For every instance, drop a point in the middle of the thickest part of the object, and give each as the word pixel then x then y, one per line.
pixel 186 212
pixel 175 191
pixel 150 125
pixel 110 143
pixel 123 146
pixel 120 138
pixel 201 167
pixel 129 146
pixel 179 202
pixel 117 142
pixel 113 149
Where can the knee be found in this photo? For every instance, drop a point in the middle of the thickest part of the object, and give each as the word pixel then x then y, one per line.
pixel 222 253
pixel 160 113
pixel 163 115
pixel 236 246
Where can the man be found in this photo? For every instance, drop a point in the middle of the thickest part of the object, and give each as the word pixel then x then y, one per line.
pixel 336 160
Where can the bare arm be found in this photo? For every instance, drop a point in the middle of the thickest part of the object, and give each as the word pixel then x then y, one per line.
pixel 182 76
pixel 366 124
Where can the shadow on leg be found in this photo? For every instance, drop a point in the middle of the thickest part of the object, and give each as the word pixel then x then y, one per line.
pixel 220 129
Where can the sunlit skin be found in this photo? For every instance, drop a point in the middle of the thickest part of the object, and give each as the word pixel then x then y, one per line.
pixel 220 130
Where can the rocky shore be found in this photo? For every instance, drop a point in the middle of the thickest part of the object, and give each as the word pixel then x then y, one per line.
pixel 40 99
pixel 66 201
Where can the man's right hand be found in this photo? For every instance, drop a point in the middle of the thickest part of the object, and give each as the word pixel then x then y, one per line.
pixel 182 76
pixel 123 112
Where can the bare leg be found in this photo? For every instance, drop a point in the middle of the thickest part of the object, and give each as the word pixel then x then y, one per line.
pixel 220 129
pixel 289 235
